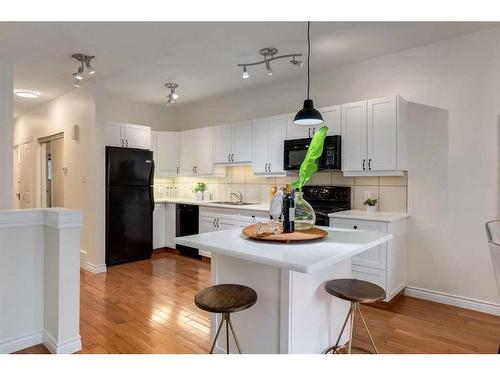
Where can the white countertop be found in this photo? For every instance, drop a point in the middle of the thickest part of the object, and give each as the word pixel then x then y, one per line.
pixel 362 215
pixel 249 207
pixel 306 257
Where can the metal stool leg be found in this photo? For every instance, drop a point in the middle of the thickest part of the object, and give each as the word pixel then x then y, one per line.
pixel 216 335
pixel 352 327
pixel 367 330
pixel 234 335
pixel 333 349
pixel 226 318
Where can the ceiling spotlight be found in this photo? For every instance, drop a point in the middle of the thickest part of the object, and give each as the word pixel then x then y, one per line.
pixel 172 95
pixel 270 54
pixel 85 66
pixel 269 70
pixel 245 73
pixel 295 62
pixel 90 69
pixel 27 93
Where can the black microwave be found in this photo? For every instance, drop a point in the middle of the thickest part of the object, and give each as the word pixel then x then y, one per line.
pixel 295 151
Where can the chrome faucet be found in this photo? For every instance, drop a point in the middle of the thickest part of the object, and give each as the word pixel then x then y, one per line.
pixel 238 195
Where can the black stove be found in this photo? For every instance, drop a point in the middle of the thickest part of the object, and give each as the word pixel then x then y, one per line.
pixel 326 199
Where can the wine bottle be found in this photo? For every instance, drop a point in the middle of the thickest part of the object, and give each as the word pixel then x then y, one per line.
pixel 288 211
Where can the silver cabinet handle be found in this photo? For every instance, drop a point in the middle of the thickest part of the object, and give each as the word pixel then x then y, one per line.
pixel 122 142
pixel 270 168
pixel 364 164
pixel 213 223
pixel 229 157
pixel 126 142
pixel 369 164
pixel 177 170
pixel 232 158
pixel 309 132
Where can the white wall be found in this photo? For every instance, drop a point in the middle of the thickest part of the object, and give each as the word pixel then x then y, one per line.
pixel 158 117
pixel 6 131
pixel 84 182
pixel 460 75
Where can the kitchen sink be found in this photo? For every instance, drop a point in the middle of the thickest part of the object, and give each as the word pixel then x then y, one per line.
pixel 235 203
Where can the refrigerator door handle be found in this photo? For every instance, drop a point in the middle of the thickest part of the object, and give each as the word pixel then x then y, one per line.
pixel 152 173
pixel 151 198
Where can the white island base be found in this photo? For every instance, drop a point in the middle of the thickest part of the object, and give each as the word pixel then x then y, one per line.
pixel 293 313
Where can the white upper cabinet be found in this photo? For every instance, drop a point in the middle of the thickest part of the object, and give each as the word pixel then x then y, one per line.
pixel 332 119
pixel 196 152
pixel 374 137
pixel 128 135
pixel 354 131
pixel 268 135
pixel 233 143
pixel 166 153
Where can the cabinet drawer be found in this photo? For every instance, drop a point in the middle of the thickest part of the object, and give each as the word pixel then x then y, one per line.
pixel 371 275
pixel 375 257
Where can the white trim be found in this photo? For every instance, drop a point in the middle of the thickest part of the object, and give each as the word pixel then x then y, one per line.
pixel 454 300
pixel 69 346
pixel 21 342
pixel 93 268
pixel 58 218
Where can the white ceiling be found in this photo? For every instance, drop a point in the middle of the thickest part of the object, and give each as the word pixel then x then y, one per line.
pixel 137 58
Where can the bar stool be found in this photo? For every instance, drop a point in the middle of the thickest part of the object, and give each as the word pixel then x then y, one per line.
pixel 225 299
pixel 356 292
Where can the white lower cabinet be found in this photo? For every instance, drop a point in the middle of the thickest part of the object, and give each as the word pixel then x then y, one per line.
pixel 384 265
pixel 216 219
pixel 164 225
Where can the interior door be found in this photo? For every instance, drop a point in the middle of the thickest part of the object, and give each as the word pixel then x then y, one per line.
pixel 17 177
pixel 204 151
pixel 277 135
pixel 222 144
pixel 382 134
pixel 26 174
pixel 57 183
pixel 242 142
pixel 260 145
pixel 167 153
pixel 354 137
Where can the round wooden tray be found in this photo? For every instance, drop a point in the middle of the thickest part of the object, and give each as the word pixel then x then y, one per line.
pixel 307 235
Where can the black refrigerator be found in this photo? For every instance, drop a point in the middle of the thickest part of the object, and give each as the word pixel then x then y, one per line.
pixel 129 204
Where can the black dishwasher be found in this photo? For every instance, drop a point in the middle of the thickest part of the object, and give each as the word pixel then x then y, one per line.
pixel 186 224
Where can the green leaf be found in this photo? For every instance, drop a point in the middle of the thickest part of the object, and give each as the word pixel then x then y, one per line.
pixel 310 166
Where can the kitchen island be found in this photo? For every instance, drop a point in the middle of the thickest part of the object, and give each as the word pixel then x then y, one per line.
pixel 293 313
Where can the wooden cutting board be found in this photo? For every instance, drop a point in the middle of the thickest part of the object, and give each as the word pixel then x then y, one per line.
pixel 307 235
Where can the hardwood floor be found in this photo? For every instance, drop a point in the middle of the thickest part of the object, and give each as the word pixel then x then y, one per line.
pixel 147 307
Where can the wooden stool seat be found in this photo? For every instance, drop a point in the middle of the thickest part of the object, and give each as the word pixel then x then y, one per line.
pixel 355 290
pixel 225 298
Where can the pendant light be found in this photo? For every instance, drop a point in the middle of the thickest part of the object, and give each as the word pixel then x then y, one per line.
pixel 308 115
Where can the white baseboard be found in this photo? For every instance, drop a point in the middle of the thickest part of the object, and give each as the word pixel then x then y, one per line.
pixel 87 266
pixel 21 342
pixel 454 300
pixel 69 346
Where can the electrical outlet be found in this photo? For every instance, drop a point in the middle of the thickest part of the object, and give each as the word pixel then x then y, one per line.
pixel 368 195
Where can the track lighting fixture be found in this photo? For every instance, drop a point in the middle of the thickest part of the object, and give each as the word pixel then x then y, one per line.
pixel 270 54
pixel 85 66
pixel 172 95
pixel 245 73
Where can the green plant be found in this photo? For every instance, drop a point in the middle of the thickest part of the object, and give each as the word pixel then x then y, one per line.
pixel 199 187
pixel 310 166
pixel 370 202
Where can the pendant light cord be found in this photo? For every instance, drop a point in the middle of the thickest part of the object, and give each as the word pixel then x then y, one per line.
pixel 308 56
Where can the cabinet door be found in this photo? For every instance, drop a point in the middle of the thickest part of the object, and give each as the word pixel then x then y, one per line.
pixel 296 131
pixel 382 134
pixel 159 226
pixel 354 136
pixel 222 144
pixel 205 151
pixel 137 136
pixel 277 134
pixel 223 224
pixel 260 145
pixel 332 116
pixel 167 153
pixel 207 224
pixel 170 224
pixel 188 144
pixel 242 142
pixel 114 135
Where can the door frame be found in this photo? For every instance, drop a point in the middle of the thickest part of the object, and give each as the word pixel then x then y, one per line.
pixel 41 158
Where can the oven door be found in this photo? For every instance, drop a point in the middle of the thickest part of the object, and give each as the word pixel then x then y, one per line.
pixel 295 151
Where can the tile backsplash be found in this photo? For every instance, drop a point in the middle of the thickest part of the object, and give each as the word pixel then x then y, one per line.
pixel 391 191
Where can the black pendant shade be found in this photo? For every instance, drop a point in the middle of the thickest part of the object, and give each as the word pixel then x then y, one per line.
pixel 308 115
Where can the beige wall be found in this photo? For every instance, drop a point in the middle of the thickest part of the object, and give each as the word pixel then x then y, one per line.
pixel 158 117
pixel 450 204
pixel 82 158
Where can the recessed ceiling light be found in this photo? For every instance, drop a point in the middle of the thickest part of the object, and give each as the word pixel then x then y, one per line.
pixel 26 93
